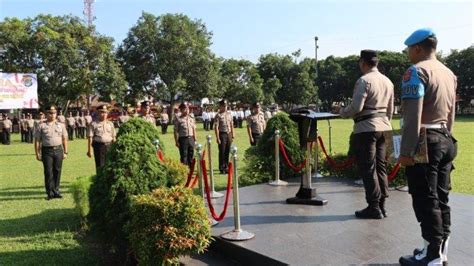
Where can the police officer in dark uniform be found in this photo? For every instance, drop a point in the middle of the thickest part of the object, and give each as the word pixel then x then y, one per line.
pixel 224 128
pixel 51 148
pixel 185 134
pixel 100 136
pixel 428 102
pixel 371 108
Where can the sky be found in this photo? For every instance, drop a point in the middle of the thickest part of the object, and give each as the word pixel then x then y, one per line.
pixel 247 29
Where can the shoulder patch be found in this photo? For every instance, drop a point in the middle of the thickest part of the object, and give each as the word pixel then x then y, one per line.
pixel 412 86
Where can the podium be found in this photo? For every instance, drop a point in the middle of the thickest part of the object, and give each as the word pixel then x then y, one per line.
pixel 307 121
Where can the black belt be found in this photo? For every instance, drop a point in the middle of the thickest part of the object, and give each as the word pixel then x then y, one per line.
pixel 101 143
pixel 186 137
pixel 52 147
pixel 369 116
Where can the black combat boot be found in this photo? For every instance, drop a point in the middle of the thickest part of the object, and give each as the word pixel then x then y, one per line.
pixel 369 213
pixel 429 256
pixel 382 207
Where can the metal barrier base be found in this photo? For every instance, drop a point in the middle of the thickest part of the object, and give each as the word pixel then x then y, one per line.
pixel 278 183
pixel 216 195
pixel 318 201
pixel 317 175
pixel 237 235
pixel 213 222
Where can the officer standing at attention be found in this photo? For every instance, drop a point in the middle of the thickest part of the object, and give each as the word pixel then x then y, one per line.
pixel 164 120
pixel 40 119
pixel 100 135
pixel 428 103
pixel 61 118
pixel 30 128
pixel 88 118
pixel 123 118
pixel 71 126
pixel 82 126
pixel 23 129
pixel 371 109
pixel 6 129
pixel 76 128
pixel 255 124
pixel 145 110
pixel 185 134
pixel 51 147
pixel 224 129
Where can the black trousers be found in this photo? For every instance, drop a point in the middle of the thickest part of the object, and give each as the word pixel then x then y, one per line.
pixel 6 136
pixel 70 132
pixel 82 132
pixel 24 135
pixel 164 128
pixel 52 158
pixel 429 186
pixel 371 164
pixel 212 124
pixel 224 150
pixel 240 122
pixel 206 124
pixel 186 149
pixel 256 138
pixel 30 135
pixel 100 152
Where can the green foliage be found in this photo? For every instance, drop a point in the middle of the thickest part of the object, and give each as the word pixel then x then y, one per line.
pixel 80 193
pixel 140 126
pixel 260 160
pixel 176 171
pixel 166 224
pixel 69 58
pixel 461 63
pixel 240 81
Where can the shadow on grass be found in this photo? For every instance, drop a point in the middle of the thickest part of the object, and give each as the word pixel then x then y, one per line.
pixel 28 193
pixel 73 256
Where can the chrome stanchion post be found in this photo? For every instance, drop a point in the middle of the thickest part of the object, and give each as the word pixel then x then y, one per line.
pixel 214 194
pixel 201 179
pixel 330 136
pixel 277 181
pixel 156 142
pixel 316 156
pixel 237 234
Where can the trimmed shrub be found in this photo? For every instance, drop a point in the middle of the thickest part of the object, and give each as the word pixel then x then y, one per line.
pixel 139 126
pixel 80 193
pixel 176 172
pixel 166 224
pixel 260 161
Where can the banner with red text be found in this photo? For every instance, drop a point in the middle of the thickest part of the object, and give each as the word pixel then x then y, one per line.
pixel 18 90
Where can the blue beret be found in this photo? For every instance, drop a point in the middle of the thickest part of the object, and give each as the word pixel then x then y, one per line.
pixel 419 36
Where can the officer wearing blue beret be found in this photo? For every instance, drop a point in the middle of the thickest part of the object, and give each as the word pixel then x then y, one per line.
pixel 428 102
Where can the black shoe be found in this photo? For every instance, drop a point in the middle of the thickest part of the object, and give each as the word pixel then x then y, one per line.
pixel 58 196
pixel 48 198
pixel 369 213
pixel 414 261
pixel 382 208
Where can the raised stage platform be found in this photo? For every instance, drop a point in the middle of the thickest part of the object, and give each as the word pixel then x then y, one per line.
pixel 329 235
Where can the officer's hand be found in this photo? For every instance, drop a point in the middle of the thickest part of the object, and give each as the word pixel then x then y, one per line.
pixel 38 157
pixel 177 144
pixel 64 156
pixel 251 141
pixel 89 154
pixel 406 161
pixel 218 141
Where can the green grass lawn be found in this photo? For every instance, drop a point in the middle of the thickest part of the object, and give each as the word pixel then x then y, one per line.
pixel 35 231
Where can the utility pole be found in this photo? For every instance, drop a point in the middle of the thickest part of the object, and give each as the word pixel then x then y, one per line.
pixel 316 55
pixel 89 18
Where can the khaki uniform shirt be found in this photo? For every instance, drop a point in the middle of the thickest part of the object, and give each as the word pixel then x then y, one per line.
pixel 150 118
pixel 164 118
pixel 30 123
pixel 61 119
pixel 51 134
pixel 373 93
pixel 124 119
pixel 428 97
pixel 81 122
pixel 71 121
pixel 103 132
pixel 184 126
pixel 257 123
pixel 37 123
pixel 223 122
pixel 7 123
pixel 88 119
pixel 23 124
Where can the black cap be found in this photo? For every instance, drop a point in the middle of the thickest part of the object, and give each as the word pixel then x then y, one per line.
pixel 102 108
pixel 145 104
pixel 183 105
pixel 50 109
pixel 223 102
pixel 368 55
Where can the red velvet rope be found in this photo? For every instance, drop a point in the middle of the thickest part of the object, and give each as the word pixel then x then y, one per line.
pixel 160 155
pixel 191 171
pixel 208 193
pixel 393 173
pixel 338 166
pixel 287 160
pixel 196 178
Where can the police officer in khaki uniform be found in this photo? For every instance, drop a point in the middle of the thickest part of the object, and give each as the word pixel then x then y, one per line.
pixel 256 124
pixel 60 117
pixel 100 135
pixel 164 120
pixel 71 126
pixel 82 124
pixel 39 119
pixel 371 109
pixel 185 134
pixel 224 128
pixel 6 130
pixel 123 118
pixel 146 112
pixel 23 128
pixel 51 147
pixel 428 102
pixel 88 118
pixel 30 123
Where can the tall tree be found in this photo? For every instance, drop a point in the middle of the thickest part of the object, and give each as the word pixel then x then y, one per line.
pixel 240 81
pixel 168 56
pixel 462 64
pixel 69 58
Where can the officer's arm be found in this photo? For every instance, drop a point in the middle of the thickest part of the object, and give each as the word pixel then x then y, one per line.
pixel 216 129
pixel 390 104
pixel 114 133
pixel 232 130
pixel 64 137
pixel 358 99
pixel 249 131
pixel 37 145
pixel 176 132
pixel 452 111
